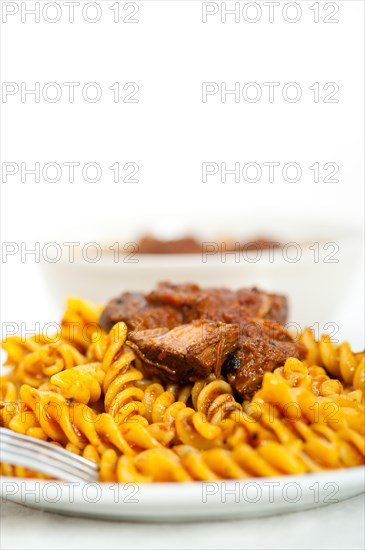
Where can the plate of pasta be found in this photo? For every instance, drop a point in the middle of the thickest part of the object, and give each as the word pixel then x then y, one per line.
pixel 195 403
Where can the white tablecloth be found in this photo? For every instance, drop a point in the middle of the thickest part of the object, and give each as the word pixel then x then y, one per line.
pixel 337 526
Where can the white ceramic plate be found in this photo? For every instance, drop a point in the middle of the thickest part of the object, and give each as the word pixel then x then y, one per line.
pixel 163 502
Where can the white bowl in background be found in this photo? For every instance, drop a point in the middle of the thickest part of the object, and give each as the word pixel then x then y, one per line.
pixel 316 284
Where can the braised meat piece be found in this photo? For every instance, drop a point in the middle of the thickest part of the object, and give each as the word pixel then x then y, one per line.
pixel 215 303
pixel 255 327
pixel 263 347
pixel 132 308
pixel 186 353
pixel 264 305
pixel 176 349
pixel 193 301
pixel 187 294
pixel 172 305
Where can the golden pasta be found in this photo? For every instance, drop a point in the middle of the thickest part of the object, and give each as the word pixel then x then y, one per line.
pixel 339 361
pixel 85 390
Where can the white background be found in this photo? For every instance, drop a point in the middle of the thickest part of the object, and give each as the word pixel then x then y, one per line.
pixel 170 132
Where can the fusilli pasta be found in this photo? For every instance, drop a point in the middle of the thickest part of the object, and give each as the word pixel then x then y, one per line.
pixel 86 392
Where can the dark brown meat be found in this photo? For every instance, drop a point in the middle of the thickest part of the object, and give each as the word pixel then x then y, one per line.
pixel 132 308
pixel 185 353
pixel 215 303
pixel 171 305
pixel 182 355
pixel 263 347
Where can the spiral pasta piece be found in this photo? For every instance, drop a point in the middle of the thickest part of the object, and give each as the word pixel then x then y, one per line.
pixel 82 384
pixel 122 398
pixel 38 366
pixel 79 324
pixel 17 348
pixel 209 423
pixel 131 407
pixel 73 422
pixel 338 360
pixel 8 398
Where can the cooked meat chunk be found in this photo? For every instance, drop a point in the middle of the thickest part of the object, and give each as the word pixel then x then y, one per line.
pixel 186 353
pixel 265 329
pixel 256 355
pixel 187 294
pixel 176 351
pixel 215 303
pixel 132 308
pixel 123 308
pixel 264 305
pixel 172 305
pixel 193 301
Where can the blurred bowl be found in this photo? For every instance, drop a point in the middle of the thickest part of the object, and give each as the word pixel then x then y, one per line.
pixel 314 267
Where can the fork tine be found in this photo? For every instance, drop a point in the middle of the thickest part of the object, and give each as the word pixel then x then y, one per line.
pixel 39 444
pixel 51 452
pixel 46 458
pixel 49 467
pixel 40 457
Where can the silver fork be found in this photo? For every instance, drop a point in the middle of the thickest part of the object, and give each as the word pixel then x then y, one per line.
pixel 33 453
